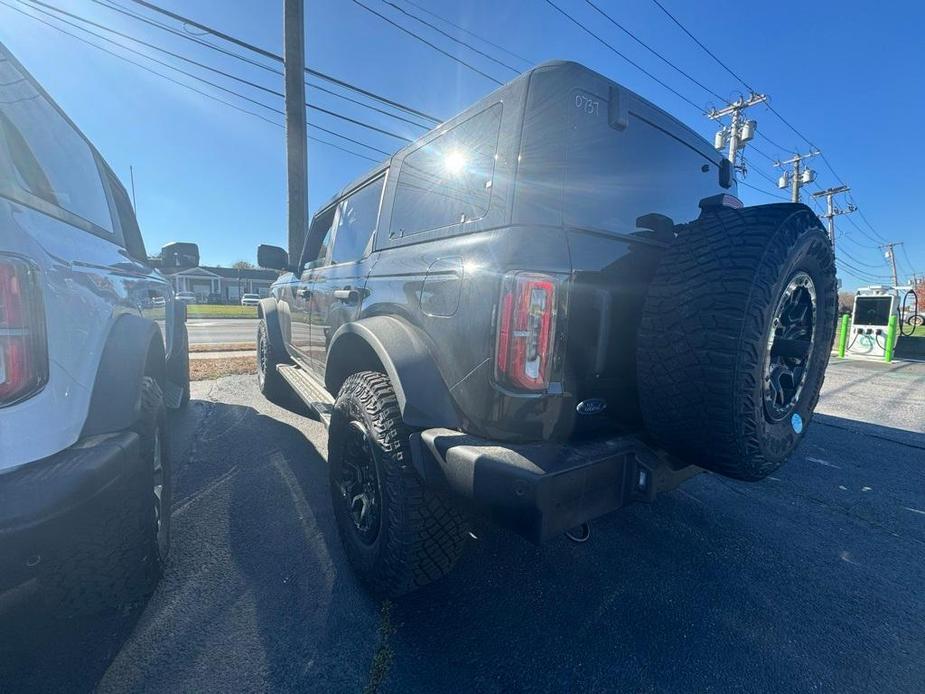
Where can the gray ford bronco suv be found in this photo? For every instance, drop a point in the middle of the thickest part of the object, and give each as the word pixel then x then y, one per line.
pixel 548 307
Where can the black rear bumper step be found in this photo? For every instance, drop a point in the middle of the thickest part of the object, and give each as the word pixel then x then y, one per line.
pixel 540 490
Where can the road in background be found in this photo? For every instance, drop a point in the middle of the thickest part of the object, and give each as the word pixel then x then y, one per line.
pixel 219 330
pixel 808 581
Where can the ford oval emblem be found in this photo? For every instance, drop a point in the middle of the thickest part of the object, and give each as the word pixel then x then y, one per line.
pixel 592 406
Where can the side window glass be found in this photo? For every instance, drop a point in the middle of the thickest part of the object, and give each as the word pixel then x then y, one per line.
pixel 356 222
pixel 45 155
pixel 448 180
pixel 318 239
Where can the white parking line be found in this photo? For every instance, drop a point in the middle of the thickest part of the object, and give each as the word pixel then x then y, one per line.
pixel 823 462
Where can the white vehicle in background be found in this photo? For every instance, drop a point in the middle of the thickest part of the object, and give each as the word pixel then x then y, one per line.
pixel 93 350
pixel 186 297
pixel 250 300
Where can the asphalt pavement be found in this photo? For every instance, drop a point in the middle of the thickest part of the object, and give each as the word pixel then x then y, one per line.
pixel 809 581
pixel 219 330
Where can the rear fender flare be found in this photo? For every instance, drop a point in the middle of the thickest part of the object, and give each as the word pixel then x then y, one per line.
pixel 134 348
pixel 422 394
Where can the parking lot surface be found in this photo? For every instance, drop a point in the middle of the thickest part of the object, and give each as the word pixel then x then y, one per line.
pixel 808 581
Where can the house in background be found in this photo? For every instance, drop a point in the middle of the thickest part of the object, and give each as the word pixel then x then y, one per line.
pixel 227 282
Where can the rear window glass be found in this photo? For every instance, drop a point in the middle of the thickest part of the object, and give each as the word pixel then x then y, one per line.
pixel 613 177
pixel 43 154
pixel 448 180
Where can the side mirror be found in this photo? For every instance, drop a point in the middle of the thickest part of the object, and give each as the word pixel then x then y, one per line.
pixel 179 256
pixel 272 257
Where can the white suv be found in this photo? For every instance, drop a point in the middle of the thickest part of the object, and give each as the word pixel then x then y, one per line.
pixel 250 300
pixel 93 349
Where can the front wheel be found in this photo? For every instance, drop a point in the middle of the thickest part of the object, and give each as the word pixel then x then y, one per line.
pixel 398 534
pixel 271 384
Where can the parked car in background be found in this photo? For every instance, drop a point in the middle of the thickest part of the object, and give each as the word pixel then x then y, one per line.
pixel 187 297
pixel 250 299
pixel 93 350
pixel 549 307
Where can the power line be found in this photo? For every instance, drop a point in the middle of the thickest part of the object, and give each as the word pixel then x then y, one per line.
pixel 267 54
pixel 314 85
pixel 859 262
pixel 110 5
pixel 708 51
pixel 215 32
pixel 652 50
pixel 867 222
pixel 144 55
pixel 760 190
pixel 867 235
pixel 452 38
pixel 372 95
pixel 470 33
pixel 422 40
pixel 204 66
pixel 770 105
pixel 627 59
pixel 164 27
pixel 192 88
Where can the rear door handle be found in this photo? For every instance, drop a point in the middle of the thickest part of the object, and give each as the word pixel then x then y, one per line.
pixel 347 295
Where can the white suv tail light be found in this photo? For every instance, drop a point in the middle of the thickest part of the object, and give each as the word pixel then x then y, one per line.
pixel 526 331
pixel 23 345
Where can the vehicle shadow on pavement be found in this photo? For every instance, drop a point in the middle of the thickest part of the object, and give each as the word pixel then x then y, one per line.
pixel 810 580
pixel 257 596
pixel 802 582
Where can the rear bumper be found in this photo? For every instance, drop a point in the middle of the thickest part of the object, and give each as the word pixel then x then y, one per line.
pixel 44 504
pixel 541 490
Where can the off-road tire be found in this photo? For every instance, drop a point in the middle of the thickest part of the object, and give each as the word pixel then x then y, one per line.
pixel 704 333
pixel 115 559
pixel 271 384
pixel 421 532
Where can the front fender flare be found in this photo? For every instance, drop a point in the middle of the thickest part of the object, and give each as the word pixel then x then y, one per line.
pixel 422 394
pixel 268 311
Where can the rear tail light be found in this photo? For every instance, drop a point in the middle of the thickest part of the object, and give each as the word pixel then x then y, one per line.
pixel 23 346
pixel 526 330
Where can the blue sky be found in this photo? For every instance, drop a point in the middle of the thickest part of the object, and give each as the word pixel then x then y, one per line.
pixel 846 74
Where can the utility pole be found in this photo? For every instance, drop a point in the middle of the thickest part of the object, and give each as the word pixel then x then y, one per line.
pixel 738 132
pixel 296 135
pixel 892 256
pixel 797 177
pixel 831 210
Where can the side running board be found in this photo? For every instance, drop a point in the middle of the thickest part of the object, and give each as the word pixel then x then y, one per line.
pixel 309 390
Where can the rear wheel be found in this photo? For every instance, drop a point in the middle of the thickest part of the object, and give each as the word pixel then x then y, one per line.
pixel 398 534
pixel 121 544
pixel 735 337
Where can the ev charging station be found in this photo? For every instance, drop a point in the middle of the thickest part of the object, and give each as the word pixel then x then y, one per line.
pixel 873 307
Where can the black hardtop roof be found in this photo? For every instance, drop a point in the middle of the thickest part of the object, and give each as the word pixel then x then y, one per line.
pixel 565 65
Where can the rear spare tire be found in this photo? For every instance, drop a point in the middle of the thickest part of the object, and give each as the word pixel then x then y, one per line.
pixel 735 336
